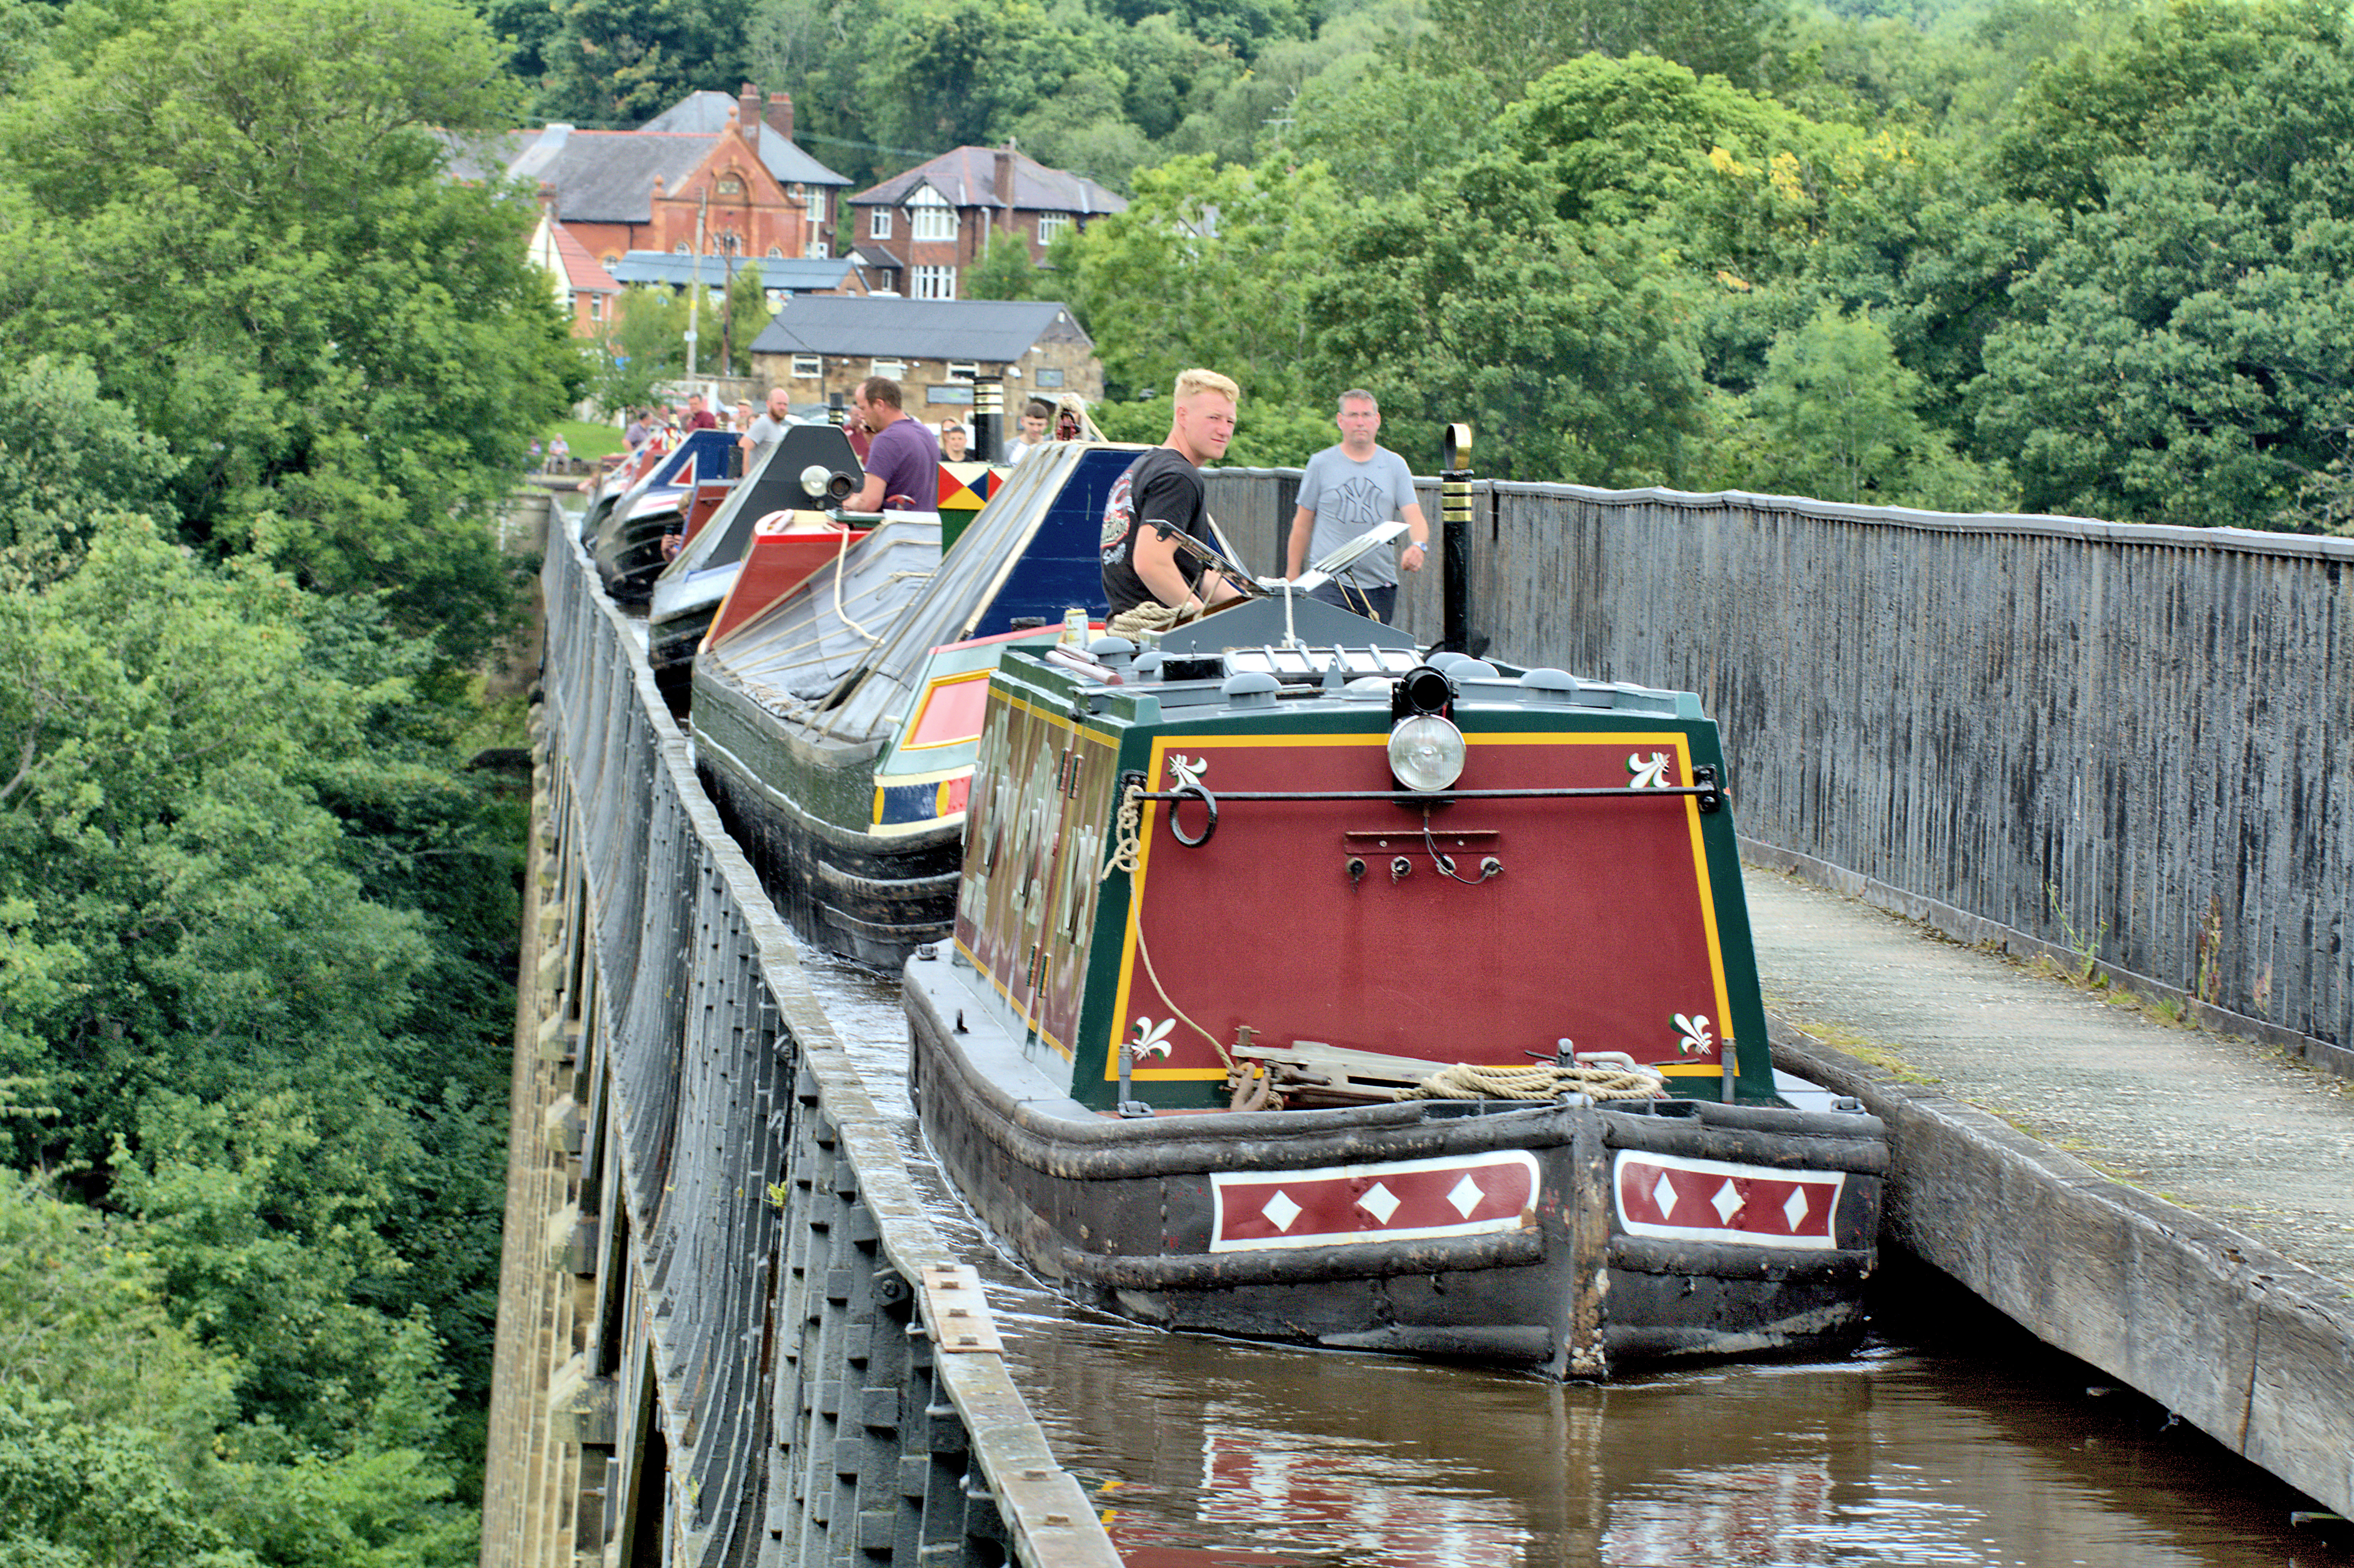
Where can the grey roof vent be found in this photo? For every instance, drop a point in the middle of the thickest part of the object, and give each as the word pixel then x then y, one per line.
pixel 1251 689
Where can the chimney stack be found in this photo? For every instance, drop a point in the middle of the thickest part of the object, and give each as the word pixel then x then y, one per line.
pixel 1004 182
pixel 781 113
pixel 747 115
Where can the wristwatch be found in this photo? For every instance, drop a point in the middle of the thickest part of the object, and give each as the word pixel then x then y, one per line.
pixel 1422 544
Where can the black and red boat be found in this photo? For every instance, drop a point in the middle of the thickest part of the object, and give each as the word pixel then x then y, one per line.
pixel 1306 988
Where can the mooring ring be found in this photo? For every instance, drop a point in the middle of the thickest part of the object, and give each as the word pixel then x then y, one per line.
pixel 1177 800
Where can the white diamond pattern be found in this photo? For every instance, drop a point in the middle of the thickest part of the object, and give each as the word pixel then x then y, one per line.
pixel 1727 1202
pixel 1465 1195
pixel 1380 1203
pixel 1664 1195
pixel 1796 1209
pixel 1281 1211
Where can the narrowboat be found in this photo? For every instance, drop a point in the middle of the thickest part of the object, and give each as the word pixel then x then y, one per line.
pixel 1306 988
pixel 651 497
pixel 835 723
pixel 810 466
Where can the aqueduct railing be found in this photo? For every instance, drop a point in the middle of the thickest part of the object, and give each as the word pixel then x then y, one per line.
pixel 727 1332
pixel 2136 741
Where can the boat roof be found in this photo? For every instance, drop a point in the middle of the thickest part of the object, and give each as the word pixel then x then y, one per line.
pixel 1035 551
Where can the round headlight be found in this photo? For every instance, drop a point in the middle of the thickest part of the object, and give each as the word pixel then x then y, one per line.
pixel 1425 752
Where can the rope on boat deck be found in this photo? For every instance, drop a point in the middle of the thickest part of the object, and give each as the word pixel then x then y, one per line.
pixel 1537 1081
pixel 1151 616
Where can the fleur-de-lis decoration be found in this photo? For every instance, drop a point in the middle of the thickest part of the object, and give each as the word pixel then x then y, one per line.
pixel 1187 775
pixel 1696 1038
pixel 1152 1039
pixel 1649 773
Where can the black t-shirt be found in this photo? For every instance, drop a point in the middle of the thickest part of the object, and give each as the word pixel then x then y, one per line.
pixel 1159 487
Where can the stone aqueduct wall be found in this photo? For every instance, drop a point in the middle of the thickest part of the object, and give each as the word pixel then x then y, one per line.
pixel 2043 731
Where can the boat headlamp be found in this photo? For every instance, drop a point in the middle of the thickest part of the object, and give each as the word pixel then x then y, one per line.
pixel 1425 752
pixel 1423 689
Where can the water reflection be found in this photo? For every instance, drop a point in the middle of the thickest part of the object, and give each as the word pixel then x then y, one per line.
pixel 1952 1439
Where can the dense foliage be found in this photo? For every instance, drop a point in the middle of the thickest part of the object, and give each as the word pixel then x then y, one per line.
pixel 2072 255
pixel 269 373
pixel 269 370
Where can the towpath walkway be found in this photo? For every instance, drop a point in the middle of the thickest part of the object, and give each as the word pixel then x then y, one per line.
pixel 2147 1196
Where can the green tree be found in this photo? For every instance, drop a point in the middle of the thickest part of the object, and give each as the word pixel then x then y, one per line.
pixel 1571 349
pixel 1006 272
pixel 1515 41
pixel 1835 418
pixel 346 350
pixel 1208 267
pixel 2095 105
pixel 618 63
pixel 2186 353
pixel 71 455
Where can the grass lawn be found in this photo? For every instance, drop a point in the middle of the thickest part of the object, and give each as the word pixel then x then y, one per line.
pixel 588 442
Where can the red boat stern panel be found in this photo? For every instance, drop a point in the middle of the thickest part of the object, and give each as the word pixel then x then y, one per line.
pixel 1334 922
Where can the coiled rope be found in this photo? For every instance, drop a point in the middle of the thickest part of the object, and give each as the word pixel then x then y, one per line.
pixel 1537 1081
pixel 1151 616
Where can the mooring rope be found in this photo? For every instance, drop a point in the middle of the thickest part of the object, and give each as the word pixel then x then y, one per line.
pixel 1127 837
pixel 1537 1081
pixel 1127 833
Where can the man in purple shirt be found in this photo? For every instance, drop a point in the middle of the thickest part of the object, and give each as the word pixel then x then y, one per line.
pixel 903 460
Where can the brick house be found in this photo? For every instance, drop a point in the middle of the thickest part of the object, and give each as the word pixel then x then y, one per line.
pixel 584 291
pixel 917 231
pixel 728 165
pixel 819 345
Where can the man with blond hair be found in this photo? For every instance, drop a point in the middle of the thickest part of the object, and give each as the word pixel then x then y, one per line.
pixel 1347 490
pixel 1161 496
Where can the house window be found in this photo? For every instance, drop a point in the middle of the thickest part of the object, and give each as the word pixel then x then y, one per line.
pixel 931 222
pixel 680 249
pixel 1052 225
pixel 808 367
pixel 878 226
pixel 963 370
pixel 775 254
pixel 596 307
pixel 818 249
pixel 815 197
pixel 890 368
pixel 932 283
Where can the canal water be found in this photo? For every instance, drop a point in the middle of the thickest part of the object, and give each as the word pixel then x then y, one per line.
pixel 1950 1438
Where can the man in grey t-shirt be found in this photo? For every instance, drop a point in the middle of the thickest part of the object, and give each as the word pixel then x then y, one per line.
pixel 1347 490
pixel 771 426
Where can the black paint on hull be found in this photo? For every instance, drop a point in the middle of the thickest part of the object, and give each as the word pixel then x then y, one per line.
pixel 1117 1213
pixel 868 898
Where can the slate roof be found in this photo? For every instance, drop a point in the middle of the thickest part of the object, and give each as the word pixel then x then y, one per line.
pixel 801 274
pixel 996 330
pixel 706 115
pixel 608 176
pixel 968 177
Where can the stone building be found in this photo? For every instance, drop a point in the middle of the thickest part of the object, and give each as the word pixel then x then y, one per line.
pixel 819 345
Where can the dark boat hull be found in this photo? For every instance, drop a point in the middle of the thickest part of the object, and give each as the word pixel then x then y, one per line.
pixel 1152 1218
pixel 792 802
